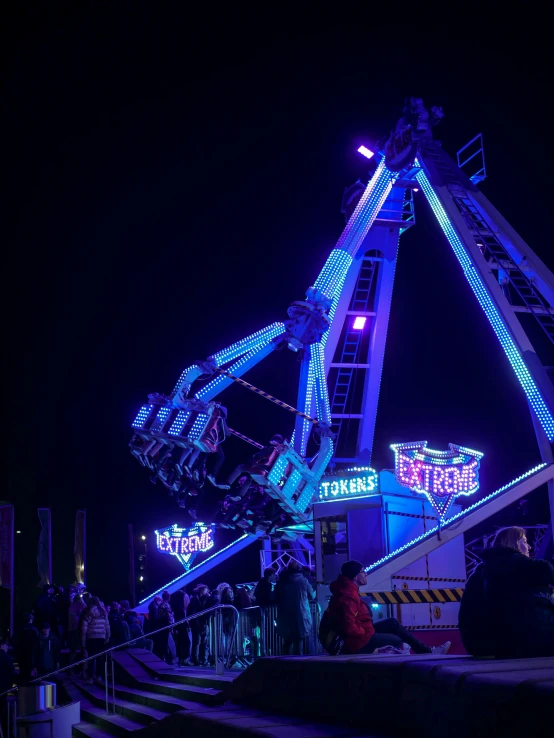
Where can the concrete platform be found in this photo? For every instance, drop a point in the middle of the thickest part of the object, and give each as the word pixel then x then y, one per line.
pixel 431 695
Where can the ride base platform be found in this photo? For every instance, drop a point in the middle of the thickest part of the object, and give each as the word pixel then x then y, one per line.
pixel 322 697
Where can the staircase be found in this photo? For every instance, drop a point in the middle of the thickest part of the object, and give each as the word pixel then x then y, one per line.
pixel 154 699
pixel 147 690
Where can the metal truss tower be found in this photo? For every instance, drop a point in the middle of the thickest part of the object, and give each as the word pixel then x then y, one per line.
pixel 340 328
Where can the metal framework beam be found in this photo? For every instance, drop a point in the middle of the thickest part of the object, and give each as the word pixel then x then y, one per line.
pixel 200 569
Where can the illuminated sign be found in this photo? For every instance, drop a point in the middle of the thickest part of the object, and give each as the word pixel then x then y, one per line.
pixel 185 543
pixel 440 475
pixel 356 482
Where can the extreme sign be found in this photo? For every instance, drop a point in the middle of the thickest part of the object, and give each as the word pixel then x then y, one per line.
pixel 185 543
pixel 440 475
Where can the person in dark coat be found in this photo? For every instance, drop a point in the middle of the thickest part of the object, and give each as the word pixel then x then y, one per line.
pixel 48 659
pixel 7 676
pixel 264 594
pixel 507 608
pixel 135 629
pixel 26 649
pixel 7 669
pixel 201 600
pixel 294 619
pixel 159 616
pixel 179 602
pixel 119 629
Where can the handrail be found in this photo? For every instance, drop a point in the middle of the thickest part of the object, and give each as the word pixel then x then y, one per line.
pixel 127 643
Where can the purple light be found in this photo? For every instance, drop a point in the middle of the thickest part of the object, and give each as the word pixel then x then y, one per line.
pixel 359 323
pixel 366 152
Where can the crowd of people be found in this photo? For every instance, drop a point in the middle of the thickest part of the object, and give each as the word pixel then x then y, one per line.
pixel 79 624
pixel 76 624
pixel 507 611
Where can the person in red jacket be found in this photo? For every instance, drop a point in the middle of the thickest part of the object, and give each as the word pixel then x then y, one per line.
pixel 352 617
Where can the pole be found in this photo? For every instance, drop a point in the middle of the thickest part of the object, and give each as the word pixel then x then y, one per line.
pixel 12 576
pixel 84 546
pixel 132 582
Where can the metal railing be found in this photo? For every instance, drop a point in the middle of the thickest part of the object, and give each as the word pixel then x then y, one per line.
pixel 258 636
pixel 108 652
pixel 234 638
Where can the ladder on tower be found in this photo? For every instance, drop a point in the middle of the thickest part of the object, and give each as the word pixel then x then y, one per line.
pixel 521 291
pixel 510 274
pixel 350 360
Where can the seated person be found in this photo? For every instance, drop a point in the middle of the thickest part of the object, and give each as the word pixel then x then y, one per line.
pixel 257 460
pixel 507 608
pixel 351 616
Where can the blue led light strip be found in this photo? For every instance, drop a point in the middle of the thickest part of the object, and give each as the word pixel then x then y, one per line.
pixel 179 422
pixel 447 523
pixel 142 416
pixel 334 272
pixel 217 553
pixel 160 419
pixel 260 338
pixel 307 410
pixel 534 396
pixel 357 228
pixel 339 284
pixel 323 406
pixel 221 380
pixel 182 378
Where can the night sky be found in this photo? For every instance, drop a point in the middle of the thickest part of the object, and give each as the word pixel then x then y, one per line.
pixel 173 184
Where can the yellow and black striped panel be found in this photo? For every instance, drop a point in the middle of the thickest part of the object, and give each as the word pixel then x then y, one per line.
pixel 431 627
pixel 415 596
pixel 434 579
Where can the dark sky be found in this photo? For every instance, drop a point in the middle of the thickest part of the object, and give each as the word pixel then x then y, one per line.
pixel 173 183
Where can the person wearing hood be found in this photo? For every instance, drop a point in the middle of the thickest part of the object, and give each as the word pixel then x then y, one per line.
pixel 119 629
pixel 135 629
pixel 507 608
pixel 294 618
pixel 352 618
pixel 48 658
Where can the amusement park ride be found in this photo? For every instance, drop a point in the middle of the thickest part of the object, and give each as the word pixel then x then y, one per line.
pixel 337 505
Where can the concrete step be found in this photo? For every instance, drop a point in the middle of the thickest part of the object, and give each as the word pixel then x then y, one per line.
pixel 240 722
pixel 86 730
pixel 162 702
pixel 205 695
pixel 197 675
pixel 119 726
pixel 131 672
pixel 140 713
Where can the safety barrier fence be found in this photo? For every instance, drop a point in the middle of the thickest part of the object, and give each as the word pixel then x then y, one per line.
pixel 258 635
